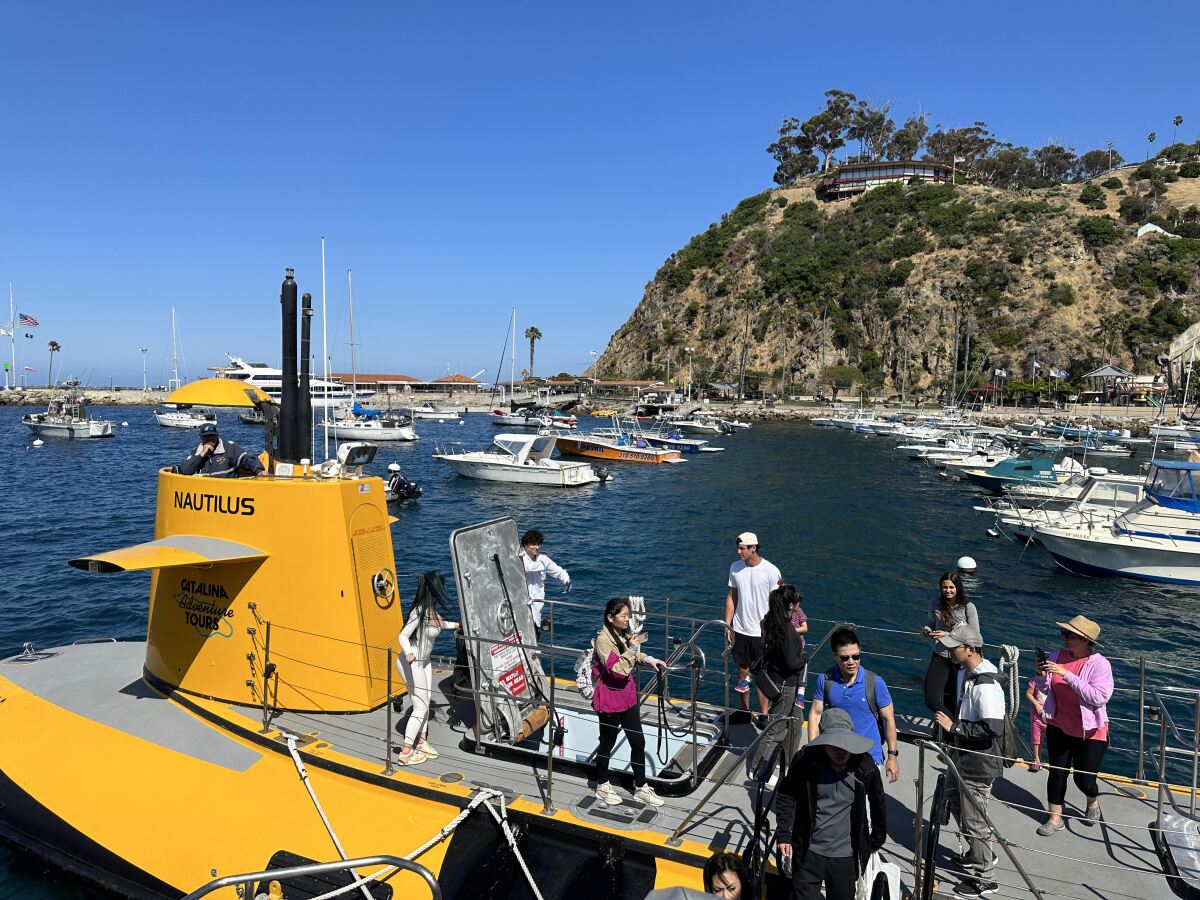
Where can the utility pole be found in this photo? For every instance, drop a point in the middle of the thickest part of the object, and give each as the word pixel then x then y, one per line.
pixel 1109 146
pixel 745 351
pixel 689 351
pixel 145 384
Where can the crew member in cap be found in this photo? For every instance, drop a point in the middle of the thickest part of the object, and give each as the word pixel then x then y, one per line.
pixel 751 580
pixel 821 808
pixel 218 458
pixel 976 734
pixel 1081 681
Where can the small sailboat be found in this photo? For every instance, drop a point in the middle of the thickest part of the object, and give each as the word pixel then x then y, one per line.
pixel 179 415
pixel 366 424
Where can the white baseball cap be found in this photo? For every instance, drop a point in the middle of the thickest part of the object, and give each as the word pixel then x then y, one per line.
pixel 748 538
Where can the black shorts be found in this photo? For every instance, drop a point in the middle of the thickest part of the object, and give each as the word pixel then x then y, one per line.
pixel 747 650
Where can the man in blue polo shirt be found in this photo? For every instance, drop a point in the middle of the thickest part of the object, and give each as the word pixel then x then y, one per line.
pixel 861 693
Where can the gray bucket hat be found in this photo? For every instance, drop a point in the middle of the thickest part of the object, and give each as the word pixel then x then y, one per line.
pixel 837 730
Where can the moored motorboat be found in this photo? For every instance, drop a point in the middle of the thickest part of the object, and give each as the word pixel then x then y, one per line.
pixel 521 459
pixel 431 411
pixel 1025 469
pixel 617 449
pixel 182 416
pixel 67 416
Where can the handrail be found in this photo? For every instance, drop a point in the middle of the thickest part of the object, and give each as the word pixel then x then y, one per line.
pixel 965 791
pixel 1168 722
pixel 317 869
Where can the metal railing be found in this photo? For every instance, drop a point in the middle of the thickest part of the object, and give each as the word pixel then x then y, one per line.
pixel 246 881
pixel 1191 746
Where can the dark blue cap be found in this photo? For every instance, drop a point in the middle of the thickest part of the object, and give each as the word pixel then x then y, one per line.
pixel 207 429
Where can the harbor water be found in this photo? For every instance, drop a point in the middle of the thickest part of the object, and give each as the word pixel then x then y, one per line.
pixel 863 532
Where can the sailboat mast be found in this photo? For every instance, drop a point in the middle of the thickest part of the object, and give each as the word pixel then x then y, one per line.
pixel 512 365
pixel 325 352
pixel 174 354
pixel 353 360
pixel 12 337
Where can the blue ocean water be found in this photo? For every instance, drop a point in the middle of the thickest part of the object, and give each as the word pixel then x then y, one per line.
pixel 863 532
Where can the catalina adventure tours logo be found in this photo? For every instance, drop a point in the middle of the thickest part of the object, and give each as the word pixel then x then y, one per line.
pixel 195 599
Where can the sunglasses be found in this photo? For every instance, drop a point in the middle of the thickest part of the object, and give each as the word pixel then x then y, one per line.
pixel 846 657
pixel 1070 634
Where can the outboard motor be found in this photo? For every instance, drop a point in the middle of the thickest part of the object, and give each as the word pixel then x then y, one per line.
pixel 601 473
pixel 399 488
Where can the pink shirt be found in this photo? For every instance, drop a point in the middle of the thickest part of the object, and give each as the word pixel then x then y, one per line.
pixel 1076 701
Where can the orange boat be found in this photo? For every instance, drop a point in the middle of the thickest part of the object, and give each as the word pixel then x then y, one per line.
pixel 617 451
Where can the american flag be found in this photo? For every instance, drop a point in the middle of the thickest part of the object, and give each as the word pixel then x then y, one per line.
pixel 30 369
pixel 28 321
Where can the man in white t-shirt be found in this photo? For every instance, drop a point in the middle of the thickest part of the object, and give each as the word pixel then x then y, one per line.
pixel 751 580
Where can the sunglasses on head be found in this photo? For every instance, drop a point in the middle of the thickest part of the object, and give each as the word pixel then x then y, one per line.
pixel 846 657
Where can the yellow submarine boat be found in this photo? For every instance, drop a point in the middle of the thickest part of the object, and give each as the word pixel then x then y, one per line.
pixel 254 730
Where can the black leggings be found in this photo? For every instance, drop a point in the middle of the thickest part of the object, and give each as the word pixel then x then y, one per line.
pixel 610 725
pixel 941 686
pixel 1064 751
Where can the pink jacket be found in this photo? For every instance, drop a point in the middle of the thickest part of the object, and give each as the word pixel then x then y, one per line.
pixel 612 674
pixel 1093 686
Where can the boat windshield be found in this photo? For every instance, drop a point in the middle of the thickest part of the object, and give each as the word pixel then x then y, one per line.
pixel 1173 488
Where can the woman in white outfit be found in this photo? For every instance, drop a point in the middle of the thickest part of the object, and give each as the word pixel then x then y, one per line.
pixel 420 631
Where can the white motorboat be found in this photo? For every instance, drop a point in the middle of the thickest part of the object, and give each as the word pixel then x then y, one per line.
pixel 522 459
pixel 1098 499
pixel 433 412
pixel 66 416
pixel 182 417
pixel 983 459
pixel 1157 539
pixel 704 423
pixel 332 392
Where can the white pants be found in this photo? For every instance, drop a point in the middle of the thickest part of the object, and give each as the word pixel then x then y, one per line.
pixel 419 678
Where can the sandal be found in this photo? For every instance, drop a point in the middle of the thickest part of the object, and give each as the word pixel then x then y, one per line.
pixel 1035 767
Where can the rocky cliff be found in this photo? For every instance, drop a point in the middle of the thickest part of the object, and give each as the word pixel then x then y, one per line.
pixel 904 280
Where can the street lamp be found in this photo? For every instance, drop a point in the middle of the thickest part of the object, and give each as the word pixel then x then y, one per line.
pixel 689 351
pixel 145 385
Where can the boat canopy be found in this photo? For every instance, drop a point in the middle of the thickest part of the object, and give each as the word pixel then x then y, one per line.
pixel 217 392
pixel 1173 484
pixel 177 550
pixel 524 447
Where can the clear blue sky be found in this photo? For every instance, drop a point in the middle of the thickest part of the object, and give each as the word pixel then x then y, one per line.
pixel 465 158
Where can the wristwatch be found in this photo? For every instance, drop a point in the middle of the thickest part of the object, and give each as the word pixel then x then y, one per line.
pixel 895 753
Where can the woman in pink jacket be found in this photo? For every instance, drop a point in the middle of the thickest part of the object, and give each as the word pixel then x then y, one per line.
pixel 615 701
pixel 1080 683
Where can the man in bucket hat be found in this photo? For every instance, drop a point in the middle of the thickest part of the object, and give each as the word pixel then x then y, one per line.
pixel 822 810
pixel 976 735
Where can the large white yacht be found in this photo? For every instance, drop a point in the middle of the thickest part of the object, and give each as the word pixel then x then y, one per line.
pixel 269 380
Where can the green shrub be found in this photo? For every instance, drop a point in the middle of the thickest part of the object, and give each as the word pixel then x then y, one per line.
pixel 781 202
pixel 691 312
pixel 1098 231
pixel 1061 294
pixel 1017 251
pixel 1112 184
pixel 1134 209
pixel 1145 171
pixel 1092 196
pixel 1190 169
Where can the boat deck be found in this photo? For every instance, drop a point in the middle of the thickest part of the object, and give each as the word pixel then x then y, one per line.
pixel 1115 859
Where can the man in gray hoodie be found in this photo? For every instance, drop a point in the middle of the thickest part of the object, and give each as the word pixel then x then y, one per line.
pixel 976 736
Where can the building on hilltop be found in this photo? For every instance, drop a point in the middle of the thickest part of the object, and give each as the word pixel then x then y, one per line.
pixel 856 178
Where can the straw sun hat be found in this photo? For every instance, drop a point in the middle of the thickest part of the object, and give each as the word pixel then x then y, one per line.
pixel 1082 626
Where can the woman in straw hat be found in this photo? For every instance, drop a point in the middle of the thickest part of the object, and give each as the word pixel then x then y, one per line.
pixel 1080 683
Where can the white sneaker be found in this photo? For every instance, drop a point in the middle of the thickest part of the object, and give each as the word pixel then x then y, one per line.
pixel 646 794
pixel 606 794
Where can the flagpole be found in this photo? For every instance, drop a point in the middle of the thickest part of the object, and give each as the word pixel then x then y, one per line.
pixel 12 338
pixel 325 352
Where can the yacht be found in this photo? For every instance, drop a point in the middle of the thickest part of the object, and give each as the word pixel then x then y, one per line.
pixel 522 459
pixel 1157 539
pixel 373 425
pixel 66 416
pixel 324 393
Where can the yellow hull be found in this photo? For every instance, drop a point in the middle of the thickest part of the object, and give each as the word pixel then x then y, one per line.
pixel 149 821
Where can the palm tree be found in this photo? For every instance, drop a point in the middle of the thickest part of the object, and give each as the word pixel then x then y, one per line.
pixel 1177 121
pixel 1150 139
pixel 55 346
pixel 534 335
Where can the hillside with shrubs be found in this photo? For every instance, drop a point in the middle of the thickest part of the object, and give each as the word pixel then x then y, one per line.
pixel 910 287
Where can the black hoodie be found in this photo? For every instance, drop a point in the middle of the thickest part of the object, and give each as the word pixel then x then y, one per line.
pixel 796 804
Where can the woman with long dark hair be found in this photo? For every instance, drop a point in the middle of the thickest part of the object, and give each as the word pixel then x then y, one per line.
pixel 783 662
pixel 424 623
pixel 615 701
pixel 950 607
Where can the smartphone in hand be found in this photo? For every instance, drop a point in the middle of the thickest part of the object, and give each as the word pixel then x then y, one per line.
pixel 1041 657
